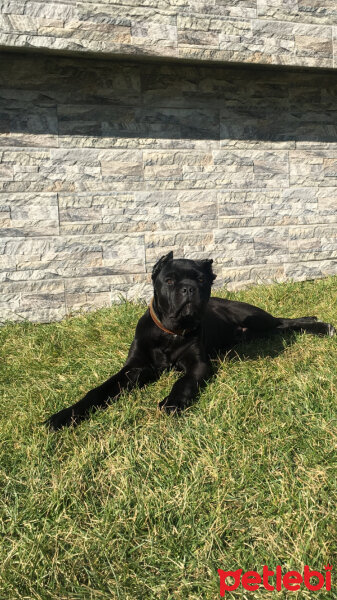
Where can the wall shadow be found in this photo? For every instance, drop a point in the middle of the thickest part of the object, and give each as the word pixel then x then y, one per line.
pixel 47 95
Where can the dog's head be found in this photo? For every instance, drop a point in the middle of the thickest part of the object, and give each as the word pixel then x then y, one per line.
pixel 181 290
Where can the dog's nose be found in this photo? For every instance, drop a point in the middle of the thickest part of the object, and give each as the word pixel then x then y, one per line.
pixel 188 290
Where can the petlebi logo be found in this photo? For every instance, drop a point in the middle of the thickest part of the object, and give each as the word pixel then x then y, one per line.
pixel 275 580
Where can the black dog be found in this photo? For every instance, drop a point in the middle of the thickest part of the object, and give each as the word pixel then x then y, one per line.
pixel 183 328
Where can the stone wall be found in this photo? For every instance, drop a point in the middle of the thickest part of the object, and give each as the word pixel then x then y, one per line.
pixel 286 32
pixel 104 166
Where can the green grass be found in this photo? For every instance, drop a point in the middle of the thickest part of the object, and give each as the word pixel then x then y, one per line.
pixel 135 504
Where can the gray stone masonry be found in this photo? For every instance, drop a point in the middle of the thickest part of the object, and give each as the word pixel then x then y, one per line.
pixel 272 32
pixel 105 166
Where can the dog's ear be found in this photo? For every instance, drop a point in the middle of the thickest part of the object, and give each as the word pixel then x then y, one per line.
pixel 206 266
pixel 160 263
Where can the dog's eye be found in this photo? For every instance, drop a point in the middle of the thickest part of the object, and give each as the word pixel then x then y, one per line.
pixel 169 281
pixel 201 280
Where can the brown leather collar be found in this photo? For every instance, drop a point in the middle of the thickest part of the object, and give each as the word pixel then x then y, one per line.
pixel 161 326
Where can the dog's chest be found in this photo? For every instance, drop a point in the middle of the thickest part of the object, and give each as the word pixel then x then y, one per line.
pixel 162 358
pixel 168 355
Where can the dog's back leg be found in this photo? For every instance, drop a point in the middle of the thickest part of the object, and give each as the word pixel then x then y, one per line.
pixel 257 322
pixel 308 324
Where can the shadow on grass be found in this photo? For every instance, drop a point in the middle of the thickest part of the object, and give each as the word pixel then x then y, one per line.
pixel 262 347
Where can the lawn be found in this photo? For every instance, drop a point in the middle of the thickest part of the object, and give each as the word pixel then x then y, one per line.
pixel 134 504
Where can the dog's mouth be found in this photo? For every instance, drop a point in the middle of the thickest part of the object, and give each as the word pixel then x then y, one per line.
pixel 188 309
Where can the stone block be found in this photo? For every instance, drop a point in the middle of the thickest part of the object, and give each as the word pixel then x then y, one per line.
pixel 309 11
pixel 87 301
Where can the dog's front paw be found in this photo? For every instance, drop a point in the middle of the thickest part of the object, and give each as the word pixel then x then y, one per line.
pixel 170 406
pixel 60 419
